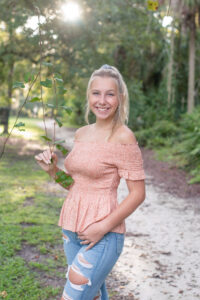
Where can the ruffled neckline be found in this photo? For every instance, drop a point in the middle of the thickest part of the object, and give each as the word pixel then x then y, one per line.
pixel 105 143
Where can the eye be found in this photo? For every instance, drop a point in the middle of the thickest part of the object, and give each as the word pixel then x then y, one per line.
pixel 95 93
pixel 111 94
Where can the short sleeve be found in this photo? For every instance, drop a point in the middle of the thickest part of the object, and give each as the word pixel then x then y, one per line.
pixel 129 162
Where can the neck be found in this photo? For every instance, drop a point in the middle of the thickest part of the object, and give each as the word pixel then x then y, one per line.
pixel 103 124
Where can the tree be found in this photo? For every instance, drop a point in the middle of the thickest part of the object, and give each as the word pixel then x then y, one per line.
pixel 190 13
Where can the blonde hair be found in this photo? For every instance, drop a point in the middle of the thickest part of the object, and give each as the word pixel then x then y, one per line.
pixel 122 112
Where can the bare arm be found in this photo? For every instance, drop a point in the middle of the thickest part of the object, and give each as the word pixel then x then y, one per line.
pixel 127 206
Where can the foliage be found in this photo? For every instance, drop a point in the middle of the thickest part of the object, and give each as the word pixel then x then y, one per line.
pixel 189 143
pixel 158 135
pixel 178 141
pixel 29 216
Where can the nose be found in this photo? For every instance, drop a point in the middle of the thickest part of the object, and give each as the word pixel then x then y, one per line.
pixel 102 99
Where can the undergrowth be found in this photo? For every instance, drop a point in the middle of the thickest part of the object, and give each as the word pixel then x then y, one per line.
pixel 29 215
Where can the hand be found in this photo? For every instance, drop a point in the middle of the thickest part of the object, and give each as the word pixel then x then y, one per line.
pixel 44 160
pixel 92 234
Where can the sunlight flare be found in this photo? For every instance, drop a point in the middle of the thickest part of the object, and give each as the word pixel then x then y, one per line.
pixel 71 11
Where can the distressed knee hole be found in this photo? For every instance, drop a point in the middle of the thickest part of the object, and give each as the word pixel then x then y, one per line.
pixel 83 262
pixel 65 296
pixel 65 238
pixel 76 278
pixel 97 298
pixel 67 271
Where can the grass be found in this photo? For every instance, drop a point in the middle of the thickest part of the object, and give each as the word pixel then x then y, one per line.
pixel 31 253
pixel 32 131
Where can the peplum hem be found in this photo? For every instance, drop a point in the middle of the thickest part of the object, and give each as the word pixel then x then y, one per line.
pixel 78 211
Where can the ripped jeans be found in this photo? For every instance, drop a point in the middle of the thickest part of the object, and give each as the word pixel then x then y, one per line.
pixel 91 266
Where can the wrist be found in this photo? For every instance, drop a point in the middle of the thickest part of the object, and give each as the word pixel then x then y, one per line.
pixel 104 226
pixel 53 171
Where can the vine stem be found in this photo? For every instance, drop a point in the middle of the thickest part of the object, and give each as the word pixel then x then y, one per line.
pixel 40 75
pixel 29 90
pixel 55 93
pixel 168 9
pixel 9 134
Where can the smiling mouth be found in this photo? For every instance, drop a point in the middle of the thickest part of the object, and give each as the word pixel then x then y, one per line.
pixel 102 109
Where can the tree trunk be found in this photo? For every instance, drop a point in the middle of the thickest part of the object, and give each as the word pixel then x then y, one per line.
pixel 176 7
pixel 10 76
pixel 191 76
pixel 10 84
pixel 170 67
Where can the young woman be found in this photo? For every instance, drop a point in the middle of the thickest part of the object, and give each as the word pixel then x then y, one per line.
pixel 92 221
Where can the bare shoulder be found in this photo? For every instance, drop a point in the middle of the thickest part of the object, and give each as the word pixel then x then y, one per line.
pixel 80 132
pixel 125 135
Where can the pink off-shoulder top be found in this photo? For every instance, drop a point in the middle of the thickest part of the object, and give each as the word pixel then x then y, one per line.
pixel 96 168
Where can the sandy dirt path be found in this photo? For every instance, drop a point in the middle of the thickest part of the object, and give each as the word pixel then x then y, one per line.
pixel 161 255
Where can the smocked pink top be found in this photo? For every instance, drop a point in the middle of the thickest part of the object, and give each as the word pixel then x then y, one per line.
pixel 96 168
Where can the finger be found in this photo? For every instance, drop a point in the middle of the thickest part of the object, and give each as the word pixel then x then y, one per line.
pixel 40 157
pixel 90 246
pixel 80 233
pixel 85 242
pixel 45 154
pixel 37 157
pixel 46 160
pixel 49 153
pixel 82 236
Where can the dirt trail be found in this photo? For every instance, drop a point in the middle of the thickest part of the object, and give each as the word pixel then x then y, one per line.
pixel 161 256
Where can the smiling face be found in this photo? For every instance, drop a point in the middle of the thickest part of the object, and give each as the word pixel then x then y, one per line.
pixel 103 97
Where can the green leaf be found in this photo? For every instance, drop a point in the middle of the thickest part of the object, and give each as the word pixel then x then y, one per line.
pixel 60 141
pixel 28 77
pixel 63 178
pixel 59 122
pixel 46 138
pixel 47 64
pixel 47 83
pixel 20 124
pixel 67 109
pixel 59 81
pixel 35 99
pixel 62 90
pixel 50 105
pixel 22 129
pixel 62 149
pixel 57 75
pixel 18 84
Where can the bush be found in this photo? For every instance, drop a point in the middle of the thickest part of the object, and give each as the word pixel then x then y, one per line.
pixel 158 135
pixel 190 142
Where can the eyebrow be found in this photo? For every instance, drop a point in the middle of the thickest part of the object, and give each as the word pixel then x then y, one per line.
pixel 106 91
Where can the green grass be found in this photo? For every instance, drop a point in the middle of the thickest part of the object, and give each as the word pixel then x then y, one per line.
pixel 28 220
pixel 32 131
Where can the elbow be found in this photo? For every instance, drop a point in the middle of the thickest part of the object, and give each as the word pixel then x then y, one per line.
pixel 143 194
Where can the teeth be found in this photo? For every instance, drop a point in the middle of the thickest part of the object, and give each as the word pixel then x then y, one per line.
pixel 102 109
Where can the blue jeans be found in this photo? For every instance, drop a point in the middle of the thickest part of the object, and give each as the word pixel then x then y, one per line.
pixel 92 265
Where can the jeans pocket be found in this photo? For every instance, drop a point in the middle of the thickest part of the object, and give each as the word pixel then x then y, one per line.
pixel 100 245
pixel 120 242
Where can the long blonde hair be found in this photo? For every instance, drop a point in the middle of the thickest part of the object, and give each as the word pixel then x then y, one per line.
pixel 122 112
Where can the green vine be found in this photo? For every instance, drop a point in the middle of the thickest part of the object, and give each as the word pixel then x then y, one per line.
pixel 56 83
